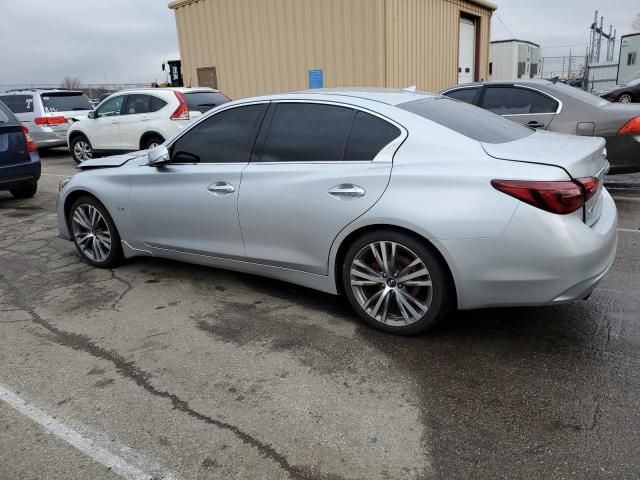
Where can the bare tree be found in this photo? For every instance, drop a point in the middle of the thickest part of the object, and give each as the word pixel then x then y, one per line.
pixel 635 23
pixel 72 83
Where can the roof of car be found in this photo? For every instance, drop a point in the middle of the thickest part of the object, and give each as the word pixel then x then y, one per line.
pixel 390 96
pixel 166 89
pixel 41 90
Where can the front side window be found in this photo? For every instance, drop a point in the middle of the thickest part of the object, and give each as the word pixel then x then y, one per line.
pixel 226 137
pixel 517 101
pixel 21 104
pixel 467 95
pixel 137 103
pixel 111 107
pixel 307 132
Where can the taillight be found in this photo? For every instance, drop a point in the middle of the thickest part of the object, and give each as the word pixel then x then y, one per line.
pixel 182 112
pixel 632 126
pixel 31 145
pixel 562 197
pixel 50 120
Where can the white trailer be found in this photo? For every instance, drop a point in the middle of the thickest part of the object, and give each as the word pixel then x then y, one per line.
pixel 512 59
pixel 629 64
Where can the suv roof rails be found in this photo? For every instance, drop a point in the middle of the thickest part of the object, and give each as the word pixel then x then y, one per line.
pixel 39 89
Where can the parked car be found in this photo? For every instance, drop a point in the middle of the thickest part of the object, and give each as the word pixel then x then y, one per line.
pixel 47 113
pixel 627 93
pixel 19 160
pixel 410 204
pixel 138 119
pixel 560 108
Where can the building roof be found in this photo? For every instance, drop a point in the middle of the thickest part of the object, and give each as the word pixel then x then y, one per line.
pixel 516 40
pixel 173 4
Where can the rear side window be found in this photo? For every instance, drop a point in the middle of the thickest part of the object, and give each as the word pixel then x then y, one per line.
pixel 227 137
pixel 307 132
pixel 470 121
pixel 137 103
pixel 517 101
pixel 467 95
pixel 21 103
pixel 157 104
pixel 5 115
pixel 65 102
pixel 204 101
pixel 368 136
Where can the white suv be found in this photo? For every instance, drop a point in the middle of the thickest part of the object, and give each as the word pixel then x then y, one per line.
pixel 138 119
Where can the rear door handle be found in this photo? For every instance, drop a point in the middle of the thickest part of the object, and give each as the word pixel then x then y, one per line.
pixel 347 190
pixel 221 188
pixel 535 124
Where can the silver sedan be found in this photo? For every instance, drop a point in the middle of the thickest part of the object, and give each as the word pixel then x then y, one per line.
pixel 410 204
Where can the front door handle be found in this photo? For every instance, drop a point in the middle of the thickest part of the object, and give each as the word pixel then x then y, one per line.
pixel 347 190
pixel 221 188
pixel 535 124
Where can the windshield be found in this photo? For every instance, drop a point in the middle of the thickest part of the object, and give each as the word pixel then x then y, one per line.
pixel 65 102
pixel 470 121
pixel 204 101
pixel 633 83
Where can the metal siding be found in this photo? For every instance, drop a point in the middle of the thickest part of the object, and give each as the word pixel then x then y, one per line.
pixel 269 46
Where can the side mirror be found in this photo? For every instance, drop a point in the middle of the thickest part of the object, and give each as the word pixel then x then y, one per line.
pixel 159 156
pixel 91 114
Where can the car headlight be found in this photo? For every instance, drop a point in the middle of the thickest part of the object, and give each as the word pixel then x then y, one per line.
pixel 63 183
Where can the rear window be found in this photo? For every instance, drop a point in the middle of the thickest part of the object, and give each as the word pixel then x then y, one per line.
pixel 204 101
pixel 19 103
pixel 577 93
pixel 65 102
pixel 470 121
pixel 5 116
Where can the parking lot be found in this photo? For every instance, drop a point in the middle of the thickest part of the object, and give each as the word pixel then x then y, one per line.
pixel 169 370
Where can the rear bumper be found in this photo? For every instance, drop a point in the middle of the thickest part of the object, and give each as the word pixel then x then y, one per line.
pixel 623 152
pixel 13 176
pixel 46 137
pixel 540 259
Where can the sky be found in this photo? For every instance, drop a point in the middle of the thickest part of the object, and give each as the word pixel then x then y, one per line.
pixel 120 41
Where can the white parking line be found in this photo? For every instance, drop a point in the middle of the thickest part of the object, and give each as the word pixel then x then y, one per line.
pixel 627 199
pixel 628 230
pixel 142 470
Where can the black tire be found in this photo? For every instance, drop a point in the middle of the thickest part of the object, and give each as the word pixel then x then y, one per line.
pixel 74 147
pixel 441 297
pixel 149 142
pixel 26 191
pixel 115 256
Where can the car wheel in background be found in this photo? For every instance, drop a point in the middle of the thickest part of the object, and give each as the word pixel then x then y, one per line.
pixel 94 233
pixel 81 149
pixel 625 98
pixel 396 283
pixel 152 142
pixel 26 191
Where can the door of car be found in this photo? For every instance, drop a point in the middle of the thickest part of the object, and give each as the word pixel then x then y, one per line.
pixel 524 105
pixel 316 168
pixel 104 129
pixel 191 204
pixel 135 120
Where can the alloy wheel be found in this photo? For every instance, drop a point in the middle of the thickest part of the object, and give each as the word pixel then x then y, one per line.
pixel 82 150
pixel 153 145
pixel 391 283
pixel 626 98
pixel 91 233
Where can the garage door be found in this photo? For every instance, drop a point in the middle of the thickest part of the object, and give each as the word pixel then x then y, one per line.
pixel 467 52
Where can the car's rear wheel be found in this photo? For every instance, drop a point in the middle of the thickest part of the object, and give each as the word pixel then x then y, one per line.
pixel 94 233
pixel 396 283
pixel 81 149
pixel 25 191
pixel 152 142
pixel 625 98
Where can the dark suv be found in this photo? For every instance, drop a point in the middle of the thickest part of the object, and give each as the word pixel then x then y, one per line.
pixel 19 160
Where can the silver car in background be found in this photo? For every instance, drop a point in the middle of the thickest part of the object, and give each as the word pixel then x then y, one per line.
pixel 410 204
pixel 47 113
pixel 556 107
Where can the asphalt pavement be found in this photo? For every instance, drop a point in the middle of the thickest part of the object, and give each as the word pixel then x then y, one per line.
pixel 159 369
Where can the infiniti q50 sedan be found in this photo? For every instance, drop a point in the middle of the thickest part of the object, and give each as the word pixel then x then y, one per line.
pixel 409 204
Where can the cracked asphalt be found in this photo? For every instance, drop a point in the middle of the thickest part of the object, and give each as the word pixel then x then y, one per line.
pixel 213 374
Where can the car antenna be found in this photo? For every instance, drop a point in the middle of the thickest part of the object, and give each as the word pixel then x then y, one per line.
pixel 412 89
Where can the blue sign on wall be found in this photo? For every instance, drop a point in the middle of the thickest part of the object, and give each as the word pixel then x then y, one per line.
pixel 316 79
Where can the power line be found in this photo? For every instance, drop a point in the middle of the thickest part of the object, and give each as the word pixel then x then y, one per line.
pixel 503 24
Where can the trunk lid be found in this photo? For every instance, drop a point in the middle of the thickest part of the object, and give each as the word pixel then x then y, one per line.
pixel 578 156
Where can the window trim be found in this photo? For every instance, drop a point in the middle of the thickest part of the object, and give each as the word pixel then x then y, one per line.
pixel 382 156
pixel 527 87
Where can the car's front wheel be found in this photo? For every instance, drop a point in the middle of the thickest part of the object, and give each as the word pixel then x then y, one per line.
pixel 94 233
pixel 625 98
pixel 81 149
pixel 396 283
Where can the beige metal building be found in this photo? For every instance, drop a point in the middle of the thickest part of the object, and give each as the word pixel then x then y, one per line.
pixel 253 47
